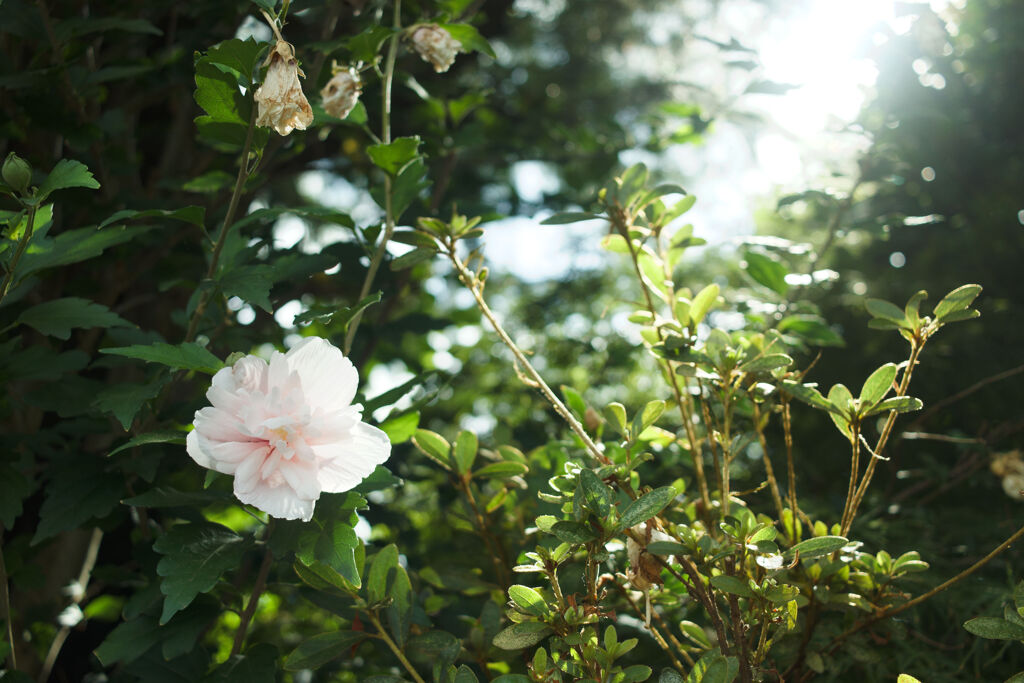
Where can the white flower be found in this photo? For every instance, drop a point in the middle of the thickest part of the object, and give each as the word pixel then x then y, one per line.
pixel 341 93
pixel 287 430
pixel 435 45
pixel 644 569
pixel 282 106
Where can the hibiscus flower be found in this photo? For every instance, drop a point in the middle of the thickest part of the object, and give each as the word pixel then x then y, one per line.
pixel 288 430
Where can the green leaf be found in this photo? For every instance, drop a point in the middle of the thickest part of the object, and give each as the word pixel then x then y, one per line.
pixel 335 547
pixel 67 173
pixel 646 506
pixel 906 678
pixel 731 584
pixel 912 309
pixel 377 577
pixel 958 316
pixel 702 304
pixel 528 600
pixel 570 217
pixel 394 156
pixel 957 300
pixel 596 496
pixel 167 497
pixel 518 636
pixel 412 258
pixel 381 478
pixel 877 385
pixel 129 640
pixel 470 38
pixel 78 492
pixel 767 271
pixel 434 446
pixel 58 317
pixel 218 94
pixel 194 215
pixel 616 415
pixel 239 55
pixel 815 547
pixel 994 628
pixel 841 399
pixel 400 429
pixel 669 676
pixel 466 675
pixel 811 329
pixel 124 401
pixel 148 438
pixel 711 668
pixel 364 47
pixel 807 394
pixel 573 532
pixel 195 556
pixel 318 650
pixel 251 284
pixel 901 404
pixel 666 548
pixel 72 246
pixel 695 633
pixel 575 402
pixel 649 415
pixel 501 470
pixel 766 363
pixel 257 665
pixel 14 488
pixel 186 356
pixel 879 308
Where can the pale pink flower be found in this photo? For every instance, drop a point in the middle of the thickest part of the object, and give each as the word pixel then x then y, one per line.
pixel 287 430
pixel 282 106
pixel 435 45
pixel 341 93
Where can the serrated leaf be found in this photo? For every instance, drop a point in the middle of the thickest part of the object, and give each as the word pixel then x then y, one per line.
pixel 393 156
pixel 124 401
pixel 501 470
pixel 58 317
pixel 880 308
pixel 129 640
pixel 571 217
pixel 364 47
pixel 67 173
pixel 257 665
pixel 528 600
pixel 877 385
pixel 77 492
pixel 470 38
pixel 218 94
pixel 335 547
pixel 376 578
pixel 195 556
pixel 72 246
pixel 318 650
pixel 647 506
pixel 957 300
pixel 14 488
pixel 240 55
pixel 519 636
pixel 815 547
pixel 186 356
pixel 767 271
pixel 251 284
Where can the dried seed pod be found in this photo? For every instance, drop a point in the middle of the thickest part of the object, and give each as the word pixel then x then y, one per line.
pixel 435 45
pixel 282 106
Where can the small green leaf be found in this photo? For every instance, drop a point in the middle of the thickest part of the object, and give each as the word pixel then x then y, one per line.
pixel 58 317
pixel 67 173
pixel 573 532
pixel 318 650
pixel 815 547
pixel 767 271
pixel 400 429
pixel 412 258
pixel 14 488
pixel 702 304
pixel 731 584
pixel 365 46
pixel 807 394
pixel 377 577
pixel 187 356
pixel 434 446
pixel 666 548
pixel 616 415
pixel 570 217
pixel 906 678
pixel 994 628
pixel 465 451
pixel 766 363
pixel 124 401
pixel 647 506
pixel 810 329
pixel 518 636
pixel 393 157
pixel 879 308
pixel 841 399
pixel 257 665
pixel 912 309
pixel 596 496
pixel 195 556
pixel 650 414
pixel 958 316
pixel 695 633
pixel 470 38
pixel 877 385
pixel 528 600
pixel 501 470
pixel 901 404
pixel 957 300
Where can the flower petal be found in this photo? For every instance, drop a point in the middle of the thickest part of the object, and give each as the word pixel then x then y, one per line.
pixel 346 462
pixel 277 501
pixel 329 380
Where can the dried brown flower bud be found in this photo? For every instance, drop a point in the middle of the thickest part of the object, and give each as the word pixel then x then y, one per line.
pixel 282 106
pixel 435 45
pixel 341 93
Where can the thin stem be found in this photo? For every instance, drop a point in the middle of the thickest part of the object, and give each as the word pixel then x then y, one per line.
pixel 254 599
pixel 768 469
pixel 382 634
pixel 22 245
pixel 658 637
pixel 980 384
pixel 531 374
pixel 229 217
pixel 851 489
pixel 932 593
pixel 787 431
pixel 5 602
pixel 389 213
pixel 498 553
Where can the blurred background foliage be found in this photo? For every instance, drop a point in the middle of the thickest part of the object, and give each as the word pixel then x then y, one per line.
pixel 934 202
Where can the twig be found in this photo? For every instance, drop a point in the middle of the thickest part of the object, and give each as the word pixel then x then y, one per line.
pixel 254 599
pixel 940 437
pixel 389 213
pixel 382 634
pixel 657 635
pixel 769 471
pixel 980 384
pixel 5 602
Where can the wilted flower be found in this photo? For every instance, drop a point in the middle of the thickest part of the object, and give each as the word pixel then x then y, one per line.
pixel 435 45
pixel 287 429
pixel 341 93
pixel 644 568
pixel 282 106
pixel 1009 466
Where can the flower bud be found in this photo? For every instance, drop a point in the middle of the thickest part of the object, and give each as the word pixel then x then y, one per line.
pixel 282 106
pixel 435 45
pixel 17 173
pixel 341 93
